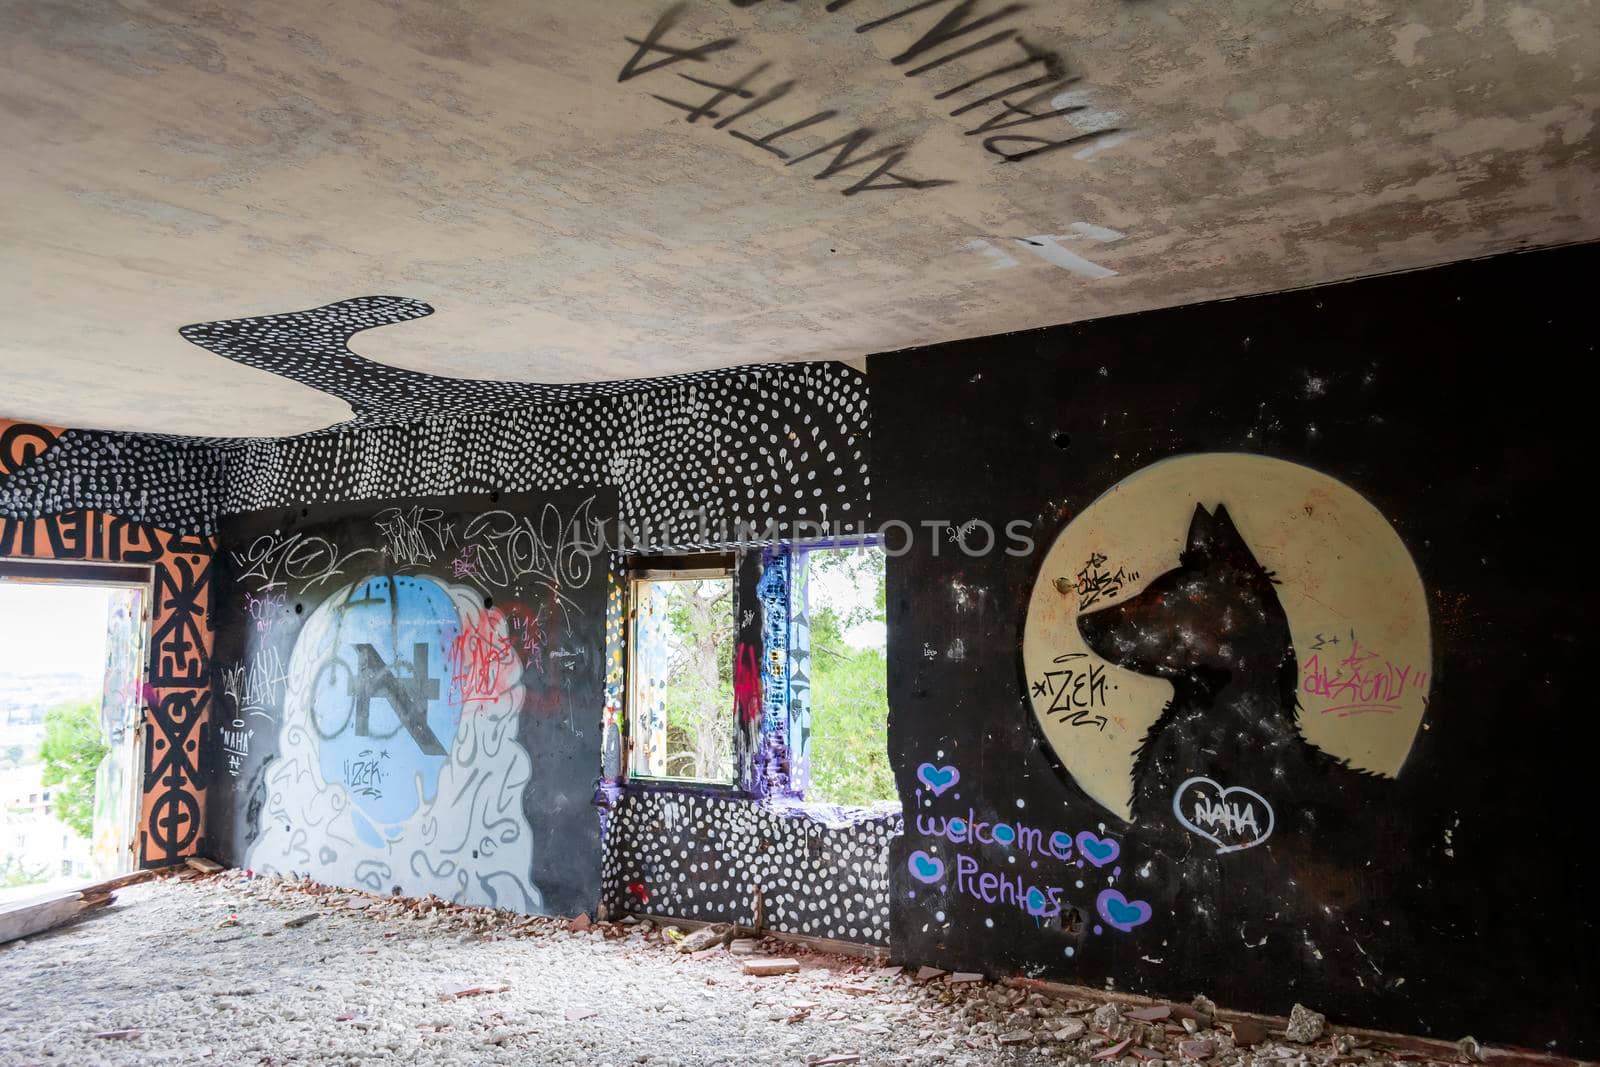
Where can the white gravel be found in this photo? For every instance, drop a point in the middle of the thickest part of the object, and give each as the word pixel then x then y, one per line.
pixel 372 986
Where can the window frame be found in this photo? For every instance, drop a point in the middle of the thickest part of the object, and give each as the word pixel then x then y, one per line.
pixel 699 567
pixel 800 712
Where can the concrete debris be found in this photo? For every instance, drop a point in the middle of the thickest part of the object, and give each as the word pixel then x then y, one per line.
pixel 300 920
pixel 713 936
pixel 961 977
pixel 364 984
pixel 203 865
pixel 1305 1026
pixel 1071 1030
pixel 770 966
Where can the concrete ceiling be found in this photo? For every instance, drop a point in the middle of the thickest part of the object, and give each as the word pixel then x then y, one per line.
pixel 165 163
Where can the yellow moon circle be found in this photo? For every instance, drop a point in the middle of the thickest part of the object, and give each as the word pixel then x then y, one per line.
pixel 1358 614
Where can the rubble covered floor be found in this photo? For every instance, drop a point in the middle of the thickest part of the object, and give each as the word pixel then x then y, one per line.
pixel 241 971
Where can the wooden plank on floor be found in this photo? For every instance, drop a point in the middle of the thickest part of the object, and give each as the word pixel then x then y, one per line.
pixel 35 916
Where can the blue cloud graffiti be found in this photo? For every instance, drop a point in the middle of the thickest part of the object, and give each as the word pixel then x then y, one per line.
pixel 391 771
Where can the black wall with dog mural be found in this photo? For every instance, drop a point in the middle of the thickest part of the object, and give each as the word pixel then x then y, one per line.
pixel 1282 702
pixel 409 696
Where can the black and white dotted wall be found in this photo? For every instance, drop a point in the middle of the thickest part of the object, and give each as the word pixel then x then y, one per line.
pixel 703 857
pixel 692 456
pixel 176 486
pixel 312 347
pixel 709 458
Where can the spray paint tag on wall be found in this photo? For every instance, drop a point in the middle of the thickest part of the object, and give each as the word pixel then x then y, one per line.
pixel 1232 818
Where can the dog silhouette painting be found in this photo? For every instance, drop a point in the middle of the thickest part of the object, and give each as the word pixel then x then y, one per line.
pixel 1215 629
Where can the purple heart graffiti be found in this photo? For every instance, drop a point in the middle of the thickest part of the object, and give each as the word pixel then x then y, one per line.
pixel 1098 850
pixel 925 868
pixel 938 779
pixel 1120 912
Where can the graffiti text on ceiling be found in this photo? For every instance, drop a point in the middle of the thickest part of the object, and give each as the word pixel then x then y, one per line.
pixel 1039 72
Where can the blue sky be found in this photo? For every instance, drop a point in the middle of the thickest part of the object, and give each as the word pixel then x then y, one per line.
pixel 49 629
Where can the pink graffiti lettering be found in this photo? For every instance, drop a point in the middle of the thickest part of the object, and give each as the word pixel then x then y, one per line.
pixel 1360 683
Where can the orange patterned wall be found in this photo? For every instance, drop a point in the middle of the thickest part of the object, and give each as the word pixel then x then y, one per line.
pixel 177 695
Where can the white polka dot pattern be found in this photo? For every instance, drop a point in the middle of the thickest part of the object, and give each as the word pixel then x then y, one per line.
pixel 704 857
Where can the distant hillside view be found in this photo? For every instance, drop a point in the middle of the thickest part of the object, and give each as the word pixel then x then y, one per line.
pixel 52 667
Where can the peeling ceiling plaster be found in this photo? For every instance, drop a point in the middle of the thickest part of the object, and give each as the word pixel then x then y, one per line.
pixel 165 163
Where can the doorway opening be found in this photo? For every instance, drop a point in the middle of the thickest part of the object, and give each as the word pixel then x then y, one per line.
pixel 72 674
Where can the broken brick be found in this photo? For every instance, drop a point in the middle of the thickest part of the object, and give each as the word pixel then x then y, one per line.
pixel 1151 1014
pixel 1114 1051
pixel 1248 1033
pixel 473 991
pixel 771 966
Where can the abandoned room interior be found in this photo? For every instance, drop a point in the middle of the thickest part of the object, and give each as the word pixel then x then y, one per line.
pixel 812 532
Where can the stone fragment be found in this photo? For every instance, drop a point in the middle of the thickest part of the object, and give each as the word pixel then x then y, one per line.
pixel 1016 1037
pixel 1107 1017
pixel 579 924
pixel 119 1035
pixel 772 965
pixel 1198 1049
pixel 964 978
pixel 299 921
pixel 1305 1026
pixel 714 936
pixel 928 974
pixel 1071 1030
